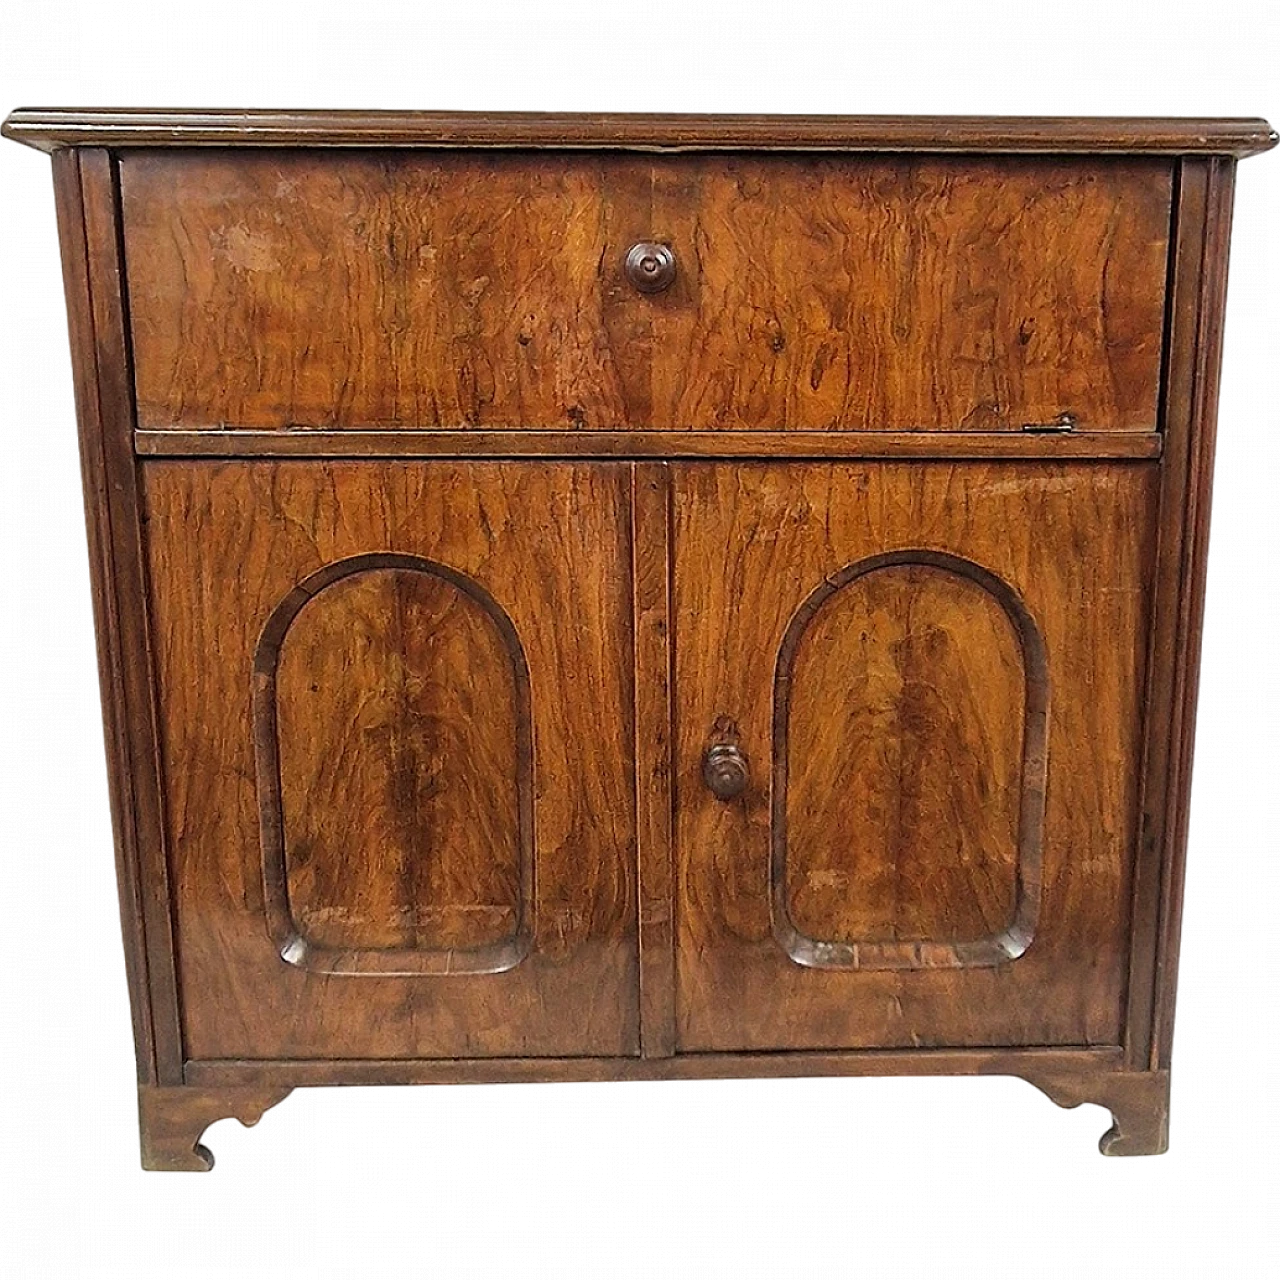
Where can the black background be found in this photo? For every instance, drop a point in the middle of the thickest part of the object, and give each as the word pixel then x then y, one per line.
pixel 403 1147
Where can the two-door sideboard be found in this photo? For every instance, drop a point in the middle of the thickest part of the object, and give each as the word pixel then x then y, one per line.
pixel 589 597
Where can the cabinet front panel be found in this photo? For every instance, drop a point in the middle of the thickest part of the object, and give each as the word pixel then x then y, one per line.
pixel 934 672
pixel 395 707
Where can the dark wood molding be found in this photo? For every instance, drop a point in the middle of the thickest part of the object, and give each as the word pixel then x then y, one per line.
pixel 472 443
pixel 289 936
pixel 89 235
pixel 69 200
pixel 51 128
pixel 997 948
pixel 1056 1064
pixel 1197 307
pixel 1200 426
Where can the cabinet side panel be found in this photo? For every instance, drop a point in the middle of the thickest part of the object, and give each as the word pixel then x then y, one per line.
pixel 1198 304
pixel 88 230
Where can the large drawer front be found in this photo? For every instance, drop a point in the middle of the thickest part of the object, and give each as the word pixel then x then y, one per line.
pixel 282 289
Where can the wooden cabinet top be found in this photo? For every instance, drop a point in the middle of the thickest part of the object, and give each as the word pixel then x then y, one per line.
pixel 52 128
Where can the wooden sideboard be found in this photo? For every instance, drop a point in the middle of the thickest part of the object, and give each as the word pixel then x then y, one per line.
pixel 589 597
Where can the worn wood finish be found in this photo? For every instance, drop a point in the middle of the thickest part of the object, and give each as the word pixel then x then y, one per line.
pixel 51 128
pixel 479 287
pixel 409 443
pixel 1080 569
pixel 490 291
pixel 171 1120
pixel 88 230
pixel 229 542
pixel 651 587
pixel 923 292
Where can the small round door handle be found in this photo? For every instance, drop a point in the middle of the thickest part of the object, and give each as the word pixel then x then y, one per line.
pixel 651 267
pixel 724 770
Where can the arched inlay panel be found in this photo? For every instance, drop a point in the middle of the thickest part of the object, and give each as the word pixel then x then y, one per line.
pixel 910 709
pixel 394 743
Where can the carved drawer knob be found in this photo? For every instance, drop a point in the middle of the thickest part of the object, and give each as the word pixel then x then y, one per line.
pixel 651 267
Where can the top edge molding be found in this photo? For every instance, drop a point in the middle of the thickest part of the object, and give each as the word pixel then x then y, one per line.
pixel 49 129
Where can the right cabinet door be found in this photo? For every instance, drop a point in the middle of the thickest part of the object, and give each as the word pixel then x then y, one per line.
pixel 933 673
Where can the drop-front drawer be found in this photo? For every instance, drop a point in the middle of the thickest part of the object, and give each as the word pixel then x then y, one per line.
pixel 421 289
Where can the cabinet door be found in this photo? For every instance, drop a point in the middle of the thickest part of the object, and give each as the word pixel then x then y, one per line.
pixel 934 673
pixel 395 707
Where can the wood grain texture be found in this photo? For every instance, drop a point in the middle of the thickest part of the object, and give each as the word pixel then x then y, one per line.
pixel 228 543
pixel 394 753
pixel 172 1119
pixel 88 229
pixel 910 708
pixel 489 292
pixel 281 289
pixel 51 127
pixel 410 443
pixel 1081 565
pixel 923 292
pixel 1195 351
pixel 651 596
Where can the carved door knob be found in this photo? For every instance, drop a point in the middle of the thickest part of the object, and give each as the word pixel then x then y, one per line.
pixel 724 770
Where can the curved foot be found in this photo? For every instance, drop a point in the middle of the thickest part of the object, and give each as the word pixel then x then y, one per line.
pixel 171 1121
pixel 1138 1102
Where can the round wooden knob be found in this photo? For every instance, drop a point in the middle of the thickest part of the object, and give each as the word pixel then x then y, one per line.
pixel 651 267
pixel 724 770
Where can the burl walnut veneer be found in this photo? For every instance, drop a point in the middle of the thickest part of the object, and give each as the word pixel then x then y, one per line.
pixel 589 597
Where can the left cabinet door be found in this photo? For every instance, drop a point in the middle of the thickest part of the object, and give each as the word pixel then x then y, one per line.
pixel 396 721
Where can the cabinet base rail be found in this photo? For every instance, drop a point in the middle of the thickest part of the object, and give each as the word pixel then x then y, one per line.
pixel 173 1117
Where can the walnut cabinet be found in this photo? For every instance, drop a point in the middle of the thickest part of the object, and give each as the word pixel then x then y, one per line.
pixel 631 597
